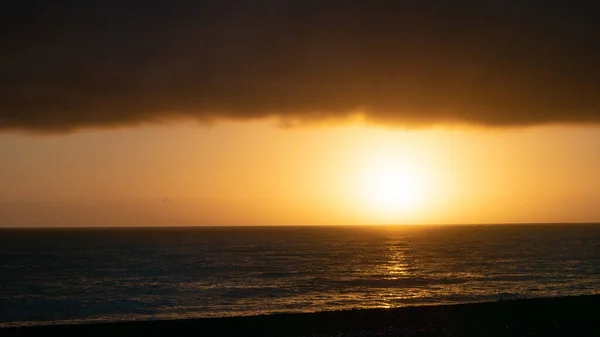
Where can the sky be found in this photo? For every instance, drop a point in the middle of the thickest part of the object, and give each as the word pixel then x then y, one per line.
pixel 118 113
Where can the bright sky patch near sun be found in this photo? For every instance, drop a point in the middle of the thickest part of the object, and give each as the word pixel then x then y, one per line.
pixel 258 174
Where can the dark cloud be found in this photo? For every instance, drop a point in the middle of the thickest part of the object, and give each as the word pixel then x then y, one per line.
pixel 71 64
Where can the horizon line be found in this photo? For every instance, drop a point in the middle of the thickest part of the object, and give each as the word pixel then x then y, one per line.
pixel 296 226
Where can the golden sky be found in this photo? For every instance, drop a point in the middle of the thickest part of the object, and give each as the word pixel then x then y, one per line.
pixel 255 173
pixel 211 112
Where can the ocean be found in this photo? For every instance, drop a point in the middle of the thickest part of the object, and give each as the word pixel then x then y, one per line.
pixel 51 276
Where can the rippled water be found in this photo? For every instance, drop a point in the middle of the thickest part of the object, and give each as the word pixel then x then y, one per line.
pixel 81 275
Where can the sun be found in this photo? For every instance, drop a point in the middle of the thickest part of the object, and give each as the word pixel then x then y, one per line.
pixel 394 189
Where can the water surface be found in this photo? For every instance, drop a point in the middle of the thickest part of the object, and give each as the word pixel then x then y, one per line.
pixel 84 275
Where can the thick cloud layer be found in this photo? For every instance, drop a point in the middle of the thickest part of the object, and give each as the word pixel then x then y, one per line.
pixel 71 64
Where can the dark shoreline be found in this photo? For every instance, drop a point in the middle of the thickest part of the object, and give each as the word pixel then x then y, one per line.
pixel 561 316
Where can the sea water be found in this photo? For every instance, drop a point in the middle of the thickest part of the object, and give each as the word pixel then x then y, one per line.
pixel 50 276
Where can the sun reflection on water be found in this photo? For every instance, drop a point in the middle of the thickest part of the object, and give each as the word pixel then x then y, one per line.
pixel 396 267
pixel 398 264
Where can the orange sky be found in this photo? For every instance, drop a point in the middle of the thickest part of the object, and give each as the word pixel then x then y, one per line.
pixel 486 112
pixel 255 173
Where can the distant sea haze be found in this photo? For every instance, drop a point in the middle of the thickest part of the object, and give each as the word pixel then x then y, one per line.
pixel 53 276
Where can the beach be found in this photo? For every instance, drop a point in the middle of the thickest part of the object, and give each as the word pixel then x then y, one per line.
pixel 560 316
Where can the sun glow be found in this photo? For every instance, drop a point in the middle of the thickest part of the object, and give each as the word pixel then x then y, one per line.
pixel 395 188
